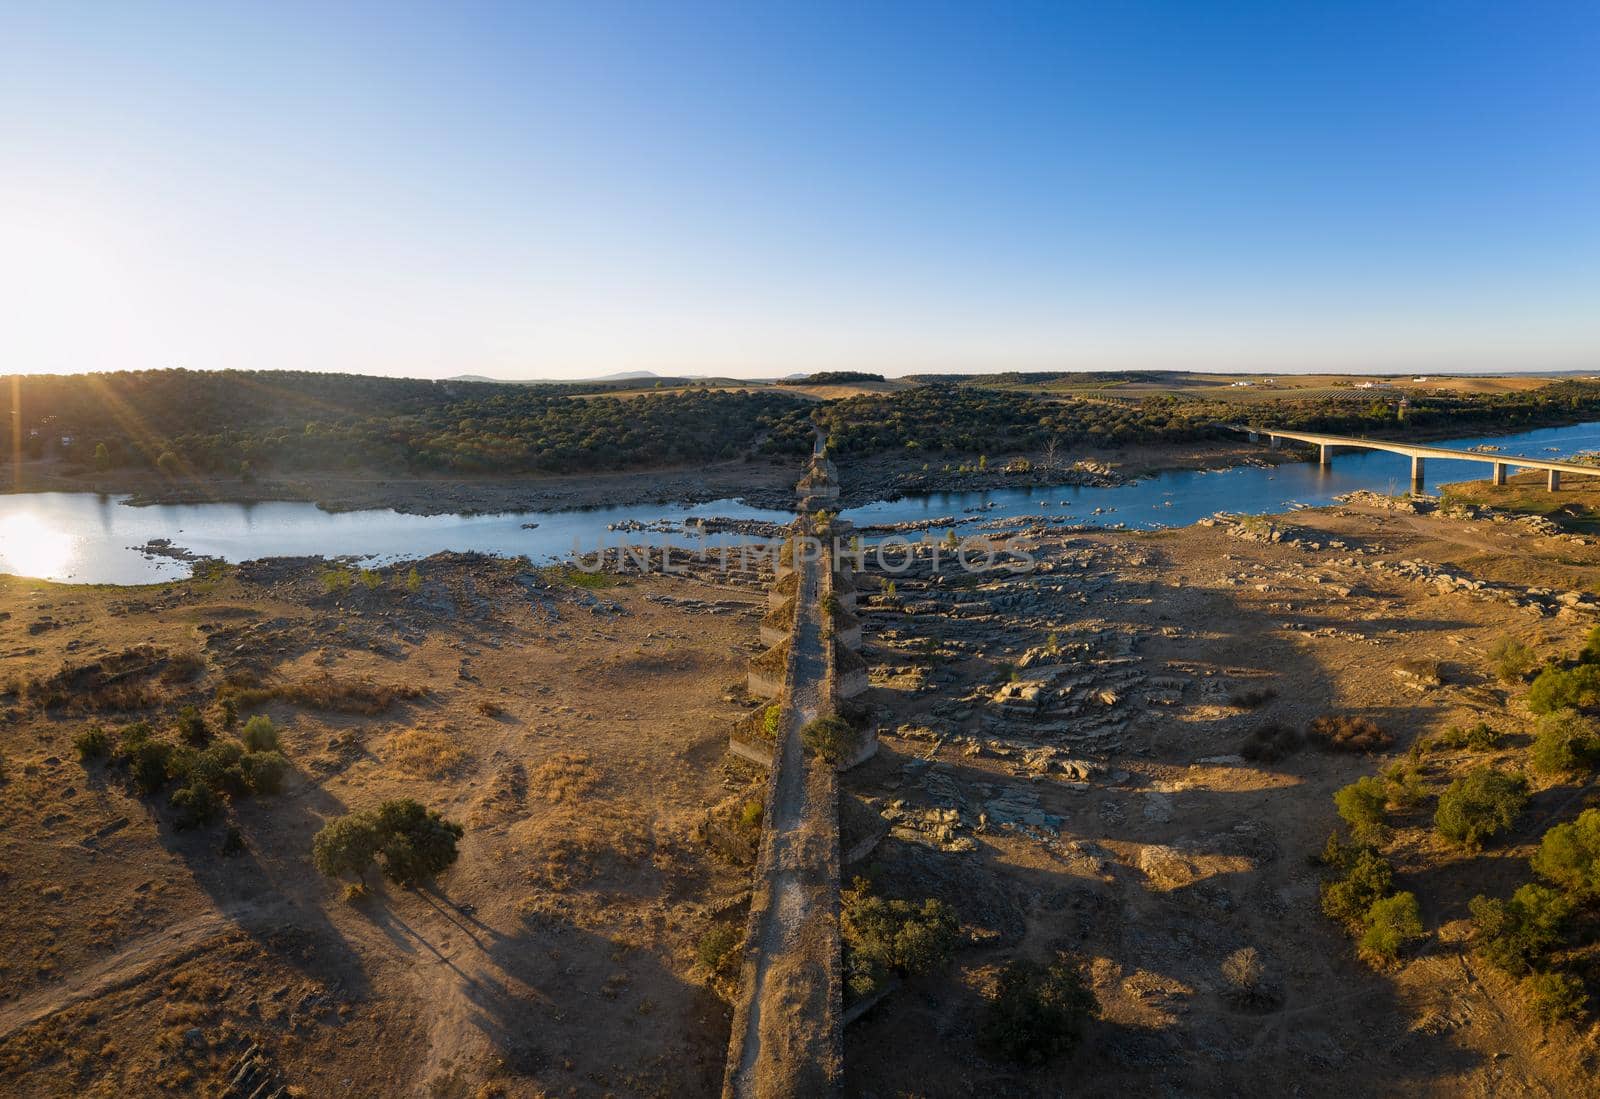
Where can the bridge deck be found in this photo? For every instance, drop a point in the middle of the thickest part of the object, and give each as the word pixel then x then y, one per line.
pixel 1413 450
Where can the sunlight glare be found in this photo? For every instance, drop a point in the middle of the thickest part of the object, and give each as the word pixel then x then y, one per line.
pixel 31 546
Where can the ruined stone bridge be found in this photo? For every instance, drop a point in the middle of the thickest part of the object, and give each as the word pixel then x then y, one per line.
pixel 787 1034
pixel 1327 444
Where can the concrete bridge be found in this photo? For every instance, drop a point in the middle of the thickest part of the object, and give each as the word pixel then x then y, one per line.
pixel 1327 444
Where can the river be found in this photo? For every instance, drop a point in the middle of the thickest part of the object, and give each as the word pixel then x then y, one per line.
pixel 89 538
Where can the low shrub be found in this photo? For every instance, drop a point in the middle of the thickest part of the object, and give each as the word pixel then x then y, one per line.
pixel 1036 1013
pixel 1251 698
pixel 260 735
pixel 192 728
pixel 1362 805
pixel 1348 733
pixel 1557 996
pixel 1367 879
pixel 718 949
pixel 1566 743
pixel 1479 805
pixel 426 753
pixel 1565 689
pixel 1271 742
pixel 196 805
pixel 1511 659
pixel 832 738
pixel 232 842
pixel 750 815
pixel 1402 785
pixel 182 667
pixel 1391 923
pixel 351 696
pixel 92 743
pixel 1478 738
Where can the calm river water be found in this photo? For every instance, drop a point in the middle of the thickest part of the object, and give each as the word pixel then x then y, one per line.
pixel 87 538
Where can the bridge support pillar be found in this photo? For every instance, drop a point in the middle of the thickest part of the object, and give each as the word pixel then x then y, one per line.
pixel 1499 473
pixel 1254 438
pixel 1273 442
pixel 1555 480
pixel 1416 472
pixel 1325 454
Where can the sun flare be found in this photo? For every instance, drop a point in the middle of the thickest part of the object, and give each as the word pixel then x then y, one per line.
pixel 31 546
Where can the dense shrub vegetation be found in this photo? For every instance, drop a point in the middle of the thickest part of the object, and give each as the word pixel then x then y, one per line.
pixel 1546 929
pixel 245 423
pixel 945 417
pixel 201 771
pixel 1036 1013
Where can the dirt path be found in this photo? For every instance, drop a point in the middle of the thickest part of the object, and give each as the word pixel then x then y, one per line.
pixel 128 966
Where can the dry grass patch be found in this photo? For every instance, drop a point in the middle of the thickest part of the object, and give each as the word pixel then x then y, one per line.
pixel 1346 733
pixel 565 777
pixel 426 753
pixel 349 695
pixel 573 845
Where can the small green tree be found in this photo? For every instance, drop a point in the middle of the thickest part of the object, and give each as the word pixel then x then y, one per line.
pixel 1590 653
pixel 1391 923
pixel 260 735
pixel 265 771
pixel 93 743
pixel 148 765
pixel 1036 1012
pixel 221 767
pixel 169 463
pixel 102 457
pixel 1518 935
pixel 883 936
pixel 413 581
pixel 346 845
pixel 1361 805
pixel 1562 689
pixel 1480 804
pixel 1566 743
pixel 416 843
pixel 1569 855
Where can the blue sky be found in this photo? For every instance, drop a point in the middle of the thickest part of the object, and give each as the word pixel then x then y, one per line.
pixel 554 190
